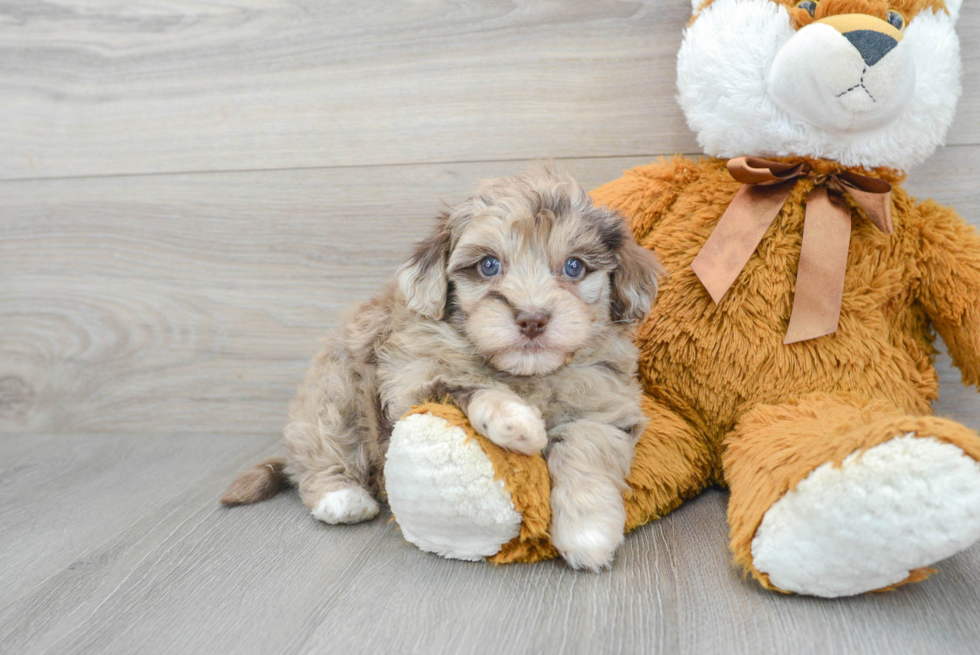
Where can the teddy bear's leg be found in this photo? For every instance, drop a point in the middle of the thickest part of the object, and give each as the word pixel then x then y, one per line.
pixel 835 496
pixel 673 462
pixel 456 494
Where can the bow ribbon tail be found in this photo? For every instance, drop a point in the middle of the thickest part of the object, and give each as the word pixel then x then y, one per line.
pixel 873 196
pixel 738 234
pixel 823 264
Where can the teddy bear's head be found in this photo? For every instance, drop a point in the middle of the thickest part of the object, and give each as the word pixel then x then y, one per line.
pixel 863 82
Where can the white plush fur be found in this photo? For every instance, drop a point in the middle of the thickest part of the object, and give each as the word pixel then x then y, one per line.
pixel 953 7
pixel 904 504
pixel 725 74
pixel 347 505
pixel 442 490
pixel 819 77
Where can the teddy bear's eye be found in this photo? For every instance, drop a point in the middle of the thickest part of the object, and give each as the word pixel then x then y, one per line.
pixel 809 5
pixel 897 20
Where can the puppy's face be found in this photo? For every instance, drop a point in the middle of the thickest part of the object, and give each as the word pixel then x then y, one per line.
pixel 532 283
pixel 536 272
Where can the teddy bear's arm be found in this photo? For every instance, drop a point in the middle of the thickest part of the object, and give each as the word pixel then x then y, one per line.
pixel 646 194
pixel 950 291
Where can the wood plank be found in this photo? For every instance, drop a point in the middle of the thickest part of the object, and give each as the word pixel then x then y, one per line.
pixel 95 88
pixel 60 495
pixel 966 128
pixel 64 612
pixel 187 302
pixel 192 577
pixel 89 88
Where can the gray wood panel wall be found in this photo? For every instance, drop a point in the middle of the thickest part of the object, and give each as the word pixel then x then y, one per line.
pixel 191 193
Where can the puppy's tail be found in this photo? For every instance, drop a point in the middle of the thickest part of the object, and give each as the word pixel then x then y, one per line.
pixel 258 483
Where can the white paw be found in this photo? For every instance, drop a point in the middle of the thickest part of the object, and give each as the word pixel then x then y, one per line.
pixel 902 505
pixel 508 423
pixel 586 547
pixel 518 428
pixel 587 524
pixel 347 505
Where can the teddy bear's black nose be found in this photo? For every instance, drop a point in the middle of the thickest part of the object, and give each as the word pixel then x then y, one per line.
pixel 871 44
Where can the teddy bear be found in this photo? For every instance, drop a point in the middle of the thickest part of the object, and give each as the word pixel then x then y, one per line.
pixel 789 356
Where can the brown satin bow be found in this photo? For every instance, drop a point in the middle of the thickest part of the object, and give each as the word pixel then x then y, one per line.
pixel 766 185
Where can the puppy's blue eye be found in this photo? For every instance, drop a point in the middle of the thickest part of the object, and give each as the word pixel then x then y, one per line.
pixel 490 266
pixel 574 267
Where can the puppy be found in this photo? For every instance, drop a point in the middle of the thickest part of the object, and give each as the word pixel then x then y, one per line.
pixel 519 307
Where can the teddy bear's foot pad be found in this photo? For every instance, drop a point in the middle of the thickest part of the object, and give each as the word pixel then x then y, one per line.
pixel 442 491
pixel 896 507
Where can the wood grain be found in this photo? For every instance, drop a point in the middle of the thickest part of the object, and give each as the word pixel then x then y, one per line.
pixel 184 575
pixel 168 303
pixel 62 494
pixel 89 87
pixel 195 302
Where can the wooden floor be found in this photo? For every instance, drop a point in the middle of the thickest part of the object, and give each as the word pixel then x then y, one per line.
pixel 115 544
pixel 190 194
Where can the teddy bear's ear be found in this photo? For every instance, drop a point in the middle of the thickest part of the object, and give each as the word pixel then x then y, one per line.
pixel 422 278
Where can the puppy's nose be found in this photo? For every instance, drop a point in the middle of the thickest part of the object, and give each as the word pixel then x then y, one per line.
pixel 531 323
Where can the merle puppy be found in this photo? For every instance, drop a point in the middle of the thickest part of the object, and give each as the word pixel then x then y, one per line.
pixel 520 308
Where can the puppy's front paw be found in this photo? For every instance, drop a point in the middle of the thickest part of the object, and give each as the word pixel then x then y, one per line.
pixel 585 546
pixel 518 428
pixel 347 505
pixel 587 521
pixel 508 423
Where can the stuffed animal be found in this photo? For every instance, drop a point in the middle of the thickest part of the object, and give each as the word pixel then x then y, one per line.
pixel 789 356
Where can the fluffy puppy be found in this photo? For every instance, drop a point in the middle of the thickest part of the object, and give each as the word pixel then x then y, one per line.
pixel 519 307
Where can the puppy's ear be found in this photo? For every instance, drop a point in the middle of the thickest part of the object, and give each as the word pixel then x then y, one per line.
pixel 634 281
pixel 422 278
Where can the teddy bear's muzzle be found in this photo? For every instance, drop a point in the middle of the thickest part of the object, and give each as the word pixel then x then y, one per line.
pixel 844 74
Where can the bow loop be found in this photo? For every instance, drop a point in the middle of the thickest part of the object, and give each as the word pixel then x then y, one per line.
pixel 755 170
pixel 874 196
pixel 766 185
